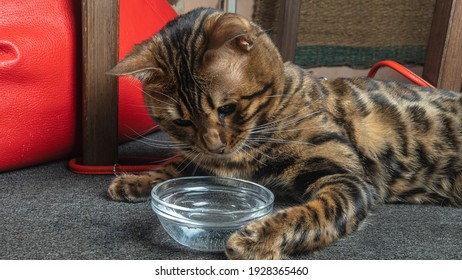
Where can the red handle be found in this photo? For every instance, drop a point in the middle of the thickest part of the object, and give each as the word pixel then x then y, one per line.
pixel 400 69
pixel 130 165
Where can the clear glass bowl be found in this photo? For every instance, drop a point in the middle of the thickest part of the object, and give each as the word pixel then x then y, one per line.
pixel 202 212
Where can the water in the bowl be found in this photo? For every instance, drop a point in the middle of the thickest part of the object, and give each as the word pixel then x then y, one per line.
pixel 211 240
pixel 215 201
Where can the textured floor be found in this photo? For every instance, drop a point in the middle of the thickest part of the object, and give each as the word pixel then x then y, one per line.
pixel 48 212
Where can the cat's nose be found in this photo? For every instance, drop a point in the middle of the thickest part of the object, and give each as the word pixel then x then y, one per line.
pixel 213 141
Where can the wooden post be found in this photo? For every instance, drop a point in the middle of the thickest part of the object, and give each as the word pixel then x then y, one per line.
pixel 443 62
pixel 286 39
pixel 100 29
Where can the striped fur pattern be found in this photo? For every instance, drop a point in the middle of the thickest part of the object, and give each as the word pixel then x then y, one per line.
pixel 215 83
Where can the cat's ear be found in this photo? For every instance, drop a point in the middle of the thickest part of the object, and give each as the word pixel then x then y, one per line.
pixel 137 65
pixel 231 30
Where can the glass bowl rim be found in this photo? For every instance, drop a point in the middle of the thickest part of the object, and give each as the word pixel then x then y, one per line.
pixel 156 198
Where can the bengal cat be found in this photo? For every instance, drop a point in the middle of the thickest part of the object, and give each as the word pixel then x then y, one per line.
pixel 216 84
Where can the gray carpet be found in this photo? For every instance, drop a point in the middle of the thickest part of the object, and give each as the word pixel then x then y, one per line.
pixel 48 212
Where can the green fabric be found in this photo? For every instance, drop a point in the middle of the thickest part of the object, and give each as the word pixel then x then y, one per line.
pixel 357 57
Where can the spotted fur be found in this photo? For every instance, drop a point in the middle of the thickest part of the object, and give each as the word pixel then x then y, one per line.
pixel 216 84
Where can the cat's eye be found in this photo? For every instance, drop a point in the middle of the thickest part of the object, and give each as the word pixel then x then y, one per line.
pixel 181 122
pixel 227 109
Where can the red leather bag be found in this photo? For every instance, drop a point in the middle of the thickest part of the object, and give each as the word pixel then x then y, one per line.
pixel 40 82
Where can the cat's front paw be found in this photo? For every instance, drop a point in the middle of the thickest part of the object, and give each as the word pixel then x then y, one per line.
pixel 130 188
pixel 260 240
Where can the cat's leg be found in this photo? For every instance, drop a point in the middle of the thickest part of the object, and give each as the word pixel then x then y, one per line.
pixel 136 188
pixel 335 207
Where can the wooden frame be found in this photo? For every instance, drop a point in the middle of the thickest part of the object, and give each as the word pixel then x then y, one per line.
pixel 100 31
pixel 286 37
pixel 443 63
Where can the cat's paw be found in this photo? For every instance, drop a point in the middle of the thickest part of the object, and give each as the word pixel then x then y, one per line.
pixel 130 188
pixel 260 240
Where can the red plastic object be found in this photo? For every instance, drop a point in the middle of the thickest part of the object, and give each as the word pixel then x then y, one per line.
pixel 400 69
pixel 139 20
pixel 40 79
pixel 126 165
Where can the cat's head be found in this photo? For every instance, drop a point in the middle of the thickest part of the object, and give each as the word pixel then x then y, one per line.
pixel 207 78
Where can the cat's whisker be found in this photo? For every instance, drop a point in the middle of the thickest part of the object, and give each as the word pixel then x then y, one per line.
pixel 259 151
pixel 284 129
pixel 142 114
pixel 155 107
pixel 278 141
pixel 160 145
pixel 156 99
pixel 161 160
pixel 161 93
pixel 272 128
pixel 198 163
pixel 251 156
pixel 156 143
pixel 186 155
pixel 144 132
pixel 189 163
pixel 145 107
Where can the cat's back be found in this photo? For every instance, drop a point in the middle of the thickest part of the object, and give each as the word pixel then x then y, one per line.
pixel 406 136
pixel 361 97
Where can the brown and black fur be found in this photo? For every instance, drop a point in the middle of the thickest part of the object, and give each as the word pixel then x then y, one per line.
pixel 217 85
